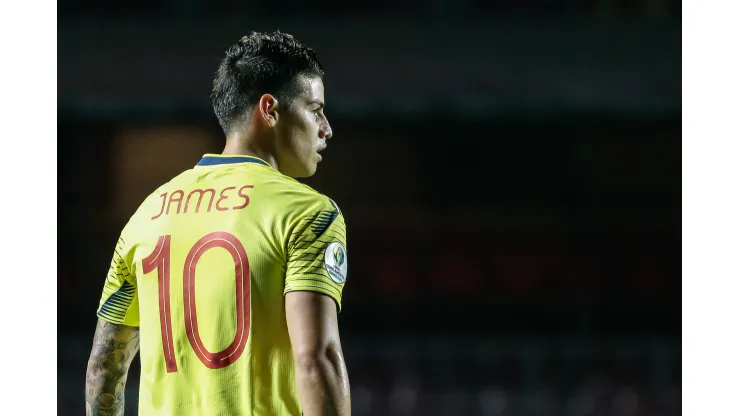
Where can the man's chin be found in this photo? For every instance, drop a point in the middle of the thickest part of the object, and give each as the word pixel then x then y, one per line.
pixel 302 172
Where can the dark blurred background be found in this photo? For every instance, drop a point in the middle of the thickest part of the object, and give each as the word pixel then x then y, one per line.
pixel 509 172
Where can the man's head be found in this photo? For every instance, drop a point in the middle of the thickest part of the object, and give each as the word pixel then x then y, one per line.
pixel 272 85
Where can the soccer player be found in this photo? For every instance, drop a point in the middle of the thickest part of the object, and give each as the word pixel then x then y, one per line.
pixel 230 275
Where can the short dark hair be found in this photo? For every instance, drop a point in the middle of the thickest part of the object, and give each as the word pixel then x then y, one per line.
pixel 258 64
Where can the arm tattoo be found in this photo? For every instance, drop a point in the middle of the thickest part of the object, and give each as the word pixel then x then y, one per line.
pixel 114 347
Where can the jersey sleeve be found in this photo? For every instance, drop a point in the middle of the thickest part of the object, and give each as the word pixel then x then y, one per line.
pixel 119 302
pixel 317 253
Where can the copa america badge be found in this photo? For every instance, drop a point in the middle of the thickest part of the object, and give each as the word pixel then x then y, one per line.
pixel 335 261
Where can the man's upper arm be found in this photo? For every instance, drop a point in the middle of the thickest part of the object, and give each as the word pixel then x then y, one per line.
pixel 316 251
pixel 119 301
pixel 114 346
pixel 312 323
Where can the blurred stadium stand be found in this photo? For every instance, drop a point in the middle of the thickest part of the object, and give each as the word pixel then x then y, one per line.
pixel 509 171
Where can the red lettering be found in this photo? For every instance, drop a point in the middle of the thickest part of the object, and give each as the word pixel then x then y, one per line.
pixel 177 197
pixel 164 199
pixel 200 193
pixel 223 197
pixel 245 196
pixel 160 260
pixel 178 200
pixel 234 247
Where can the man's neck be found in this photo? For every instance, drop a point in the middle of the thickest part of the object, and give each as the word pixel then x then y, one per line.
pixel 244 147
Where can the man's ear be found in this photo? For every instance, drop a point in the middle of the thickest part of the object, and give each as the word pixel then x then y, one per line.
pixel 268 109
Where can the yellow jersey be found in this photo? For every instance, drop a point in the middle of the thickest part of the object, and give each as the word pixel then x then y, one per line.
pixel 202 268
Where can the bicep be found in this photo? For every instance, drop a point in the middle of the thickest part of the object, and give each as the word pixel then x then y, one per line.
pixel 312 322
pixel 114 346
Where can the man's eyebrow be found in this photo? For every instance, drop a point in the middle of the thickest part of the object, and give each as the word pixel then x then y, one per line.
pixel 317 102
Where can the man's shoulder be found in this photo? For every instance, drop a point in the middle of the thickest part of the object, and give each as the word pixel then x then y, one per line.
pixel 300 196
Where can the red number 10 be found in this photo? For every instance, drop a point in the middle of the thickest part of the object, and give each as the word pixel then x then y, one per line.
pixel 160 260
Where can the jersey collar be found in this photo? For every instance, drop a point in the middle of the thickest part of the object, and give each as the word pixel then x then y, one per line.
pixel 214 159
